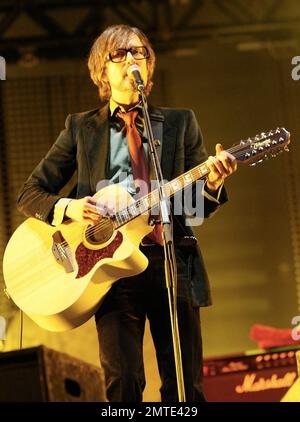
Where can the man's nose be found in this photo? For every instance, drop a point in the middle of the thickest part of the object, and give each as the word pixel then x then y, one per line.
pixel 130 57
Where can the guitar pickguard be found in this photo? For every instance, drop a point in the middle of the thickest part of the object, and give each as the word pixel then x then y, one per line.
pixel 87 258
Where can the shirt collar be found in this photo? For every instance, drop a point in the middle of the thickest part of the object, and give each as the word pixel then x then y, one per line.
pixel 114 107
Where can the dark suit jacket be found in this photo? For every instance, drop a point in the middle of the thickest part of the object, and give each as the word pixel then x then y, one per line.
pixel 83 146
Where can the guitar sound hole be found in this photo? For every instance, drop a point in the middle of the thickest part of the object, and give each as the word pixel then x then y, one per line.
pixel 99 233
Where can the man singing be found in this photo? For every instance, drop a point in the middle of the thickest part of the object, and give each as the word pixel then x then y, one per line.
pixel 101 145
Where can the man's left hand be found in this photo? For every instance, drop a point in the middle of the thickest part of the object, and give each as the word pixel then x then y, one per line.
pixel 220 166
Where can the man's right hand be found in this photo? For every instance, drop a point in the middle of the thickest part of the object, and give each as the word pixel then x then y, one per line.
pixel 83 210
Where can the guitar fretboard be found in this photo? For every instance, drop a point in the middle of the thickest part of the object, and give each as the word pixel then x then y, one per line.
pixel 150 201
pixel 246 151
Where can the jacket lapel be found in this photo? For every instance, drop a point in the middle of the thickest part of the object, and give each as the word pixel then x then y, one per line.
pixel 166 134
pixel 96 145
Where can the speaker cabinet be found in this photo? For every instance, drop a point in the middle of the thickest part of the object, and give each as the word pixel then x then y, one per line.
pixel 258 377
pixel 41 374
pixel 293 394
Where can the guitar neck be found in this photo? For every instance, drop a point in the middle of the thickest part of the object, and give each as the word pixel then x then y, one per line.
pixel 249 151
pixel 151 201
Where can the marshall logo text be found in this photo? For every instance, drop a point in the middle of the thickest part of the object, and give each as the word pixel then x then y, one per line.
pixel 250 384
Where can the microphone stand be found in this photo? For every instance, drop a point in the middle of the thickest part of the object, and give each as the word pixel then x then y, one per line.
pixel 168 241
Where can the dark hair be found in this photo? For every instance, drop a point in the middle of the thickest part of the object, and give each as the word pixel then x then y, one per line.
pixel 111 39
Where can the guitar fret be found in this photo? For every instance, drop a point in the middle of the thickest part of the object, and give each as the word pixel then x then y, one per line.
pixel 152 199
pixel 121 215
pixel 117 219
pixel 141 205
pixel 188 178
pixel 132 210
pixel 194 174
pixel 181 181
pixel 204 169
pixel 176 185
pixel 145 203
pixel 168 189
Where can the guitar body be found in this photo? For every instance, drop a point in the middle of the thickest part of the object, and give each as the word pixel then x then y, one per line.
pixel 60 296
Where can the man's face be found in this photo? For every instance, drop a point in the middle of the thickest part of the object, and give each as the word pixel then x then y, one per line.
pixel 116 73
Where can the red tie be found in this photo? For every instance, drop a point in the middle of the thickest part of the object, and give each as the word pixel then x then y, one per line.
pixel 139 164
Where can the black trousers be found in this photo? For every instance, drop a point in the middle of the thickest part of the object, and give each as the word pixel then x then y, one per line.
pixel 121 321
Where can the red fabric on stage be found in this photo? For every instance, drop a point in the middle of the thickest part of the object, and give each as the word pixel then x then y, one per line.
pixel 268 337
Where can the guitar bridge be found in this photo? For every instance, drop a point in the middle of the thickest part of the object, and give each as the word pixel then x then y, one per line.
pixel 62 253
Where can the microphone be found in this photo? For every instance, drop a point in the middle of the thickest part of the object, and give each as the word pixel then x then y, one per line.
pixel 134 71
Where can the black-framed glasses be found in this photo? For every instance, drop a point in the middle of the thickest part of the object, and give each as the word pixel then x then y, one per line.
pixel 138 53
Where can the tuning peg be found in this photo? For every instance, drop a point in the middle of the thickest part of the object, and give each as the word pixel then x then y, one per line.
pixel 253 164
pixel 286 148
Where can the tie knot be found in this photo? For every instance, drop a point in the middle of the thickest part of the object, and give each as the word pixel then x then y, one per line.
pixel 128 117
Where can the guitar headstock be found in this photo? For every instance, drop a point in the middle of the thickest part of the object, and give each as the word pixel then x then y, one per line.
pixel 263 146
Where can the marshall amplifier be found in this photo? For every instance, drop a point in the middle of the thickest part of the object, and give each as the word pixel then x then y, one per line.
pixel 40 374
pixel 251 377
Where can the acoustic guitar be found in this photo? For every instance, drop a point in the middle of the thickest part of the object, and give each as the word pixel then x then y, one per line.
pixel 59 275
